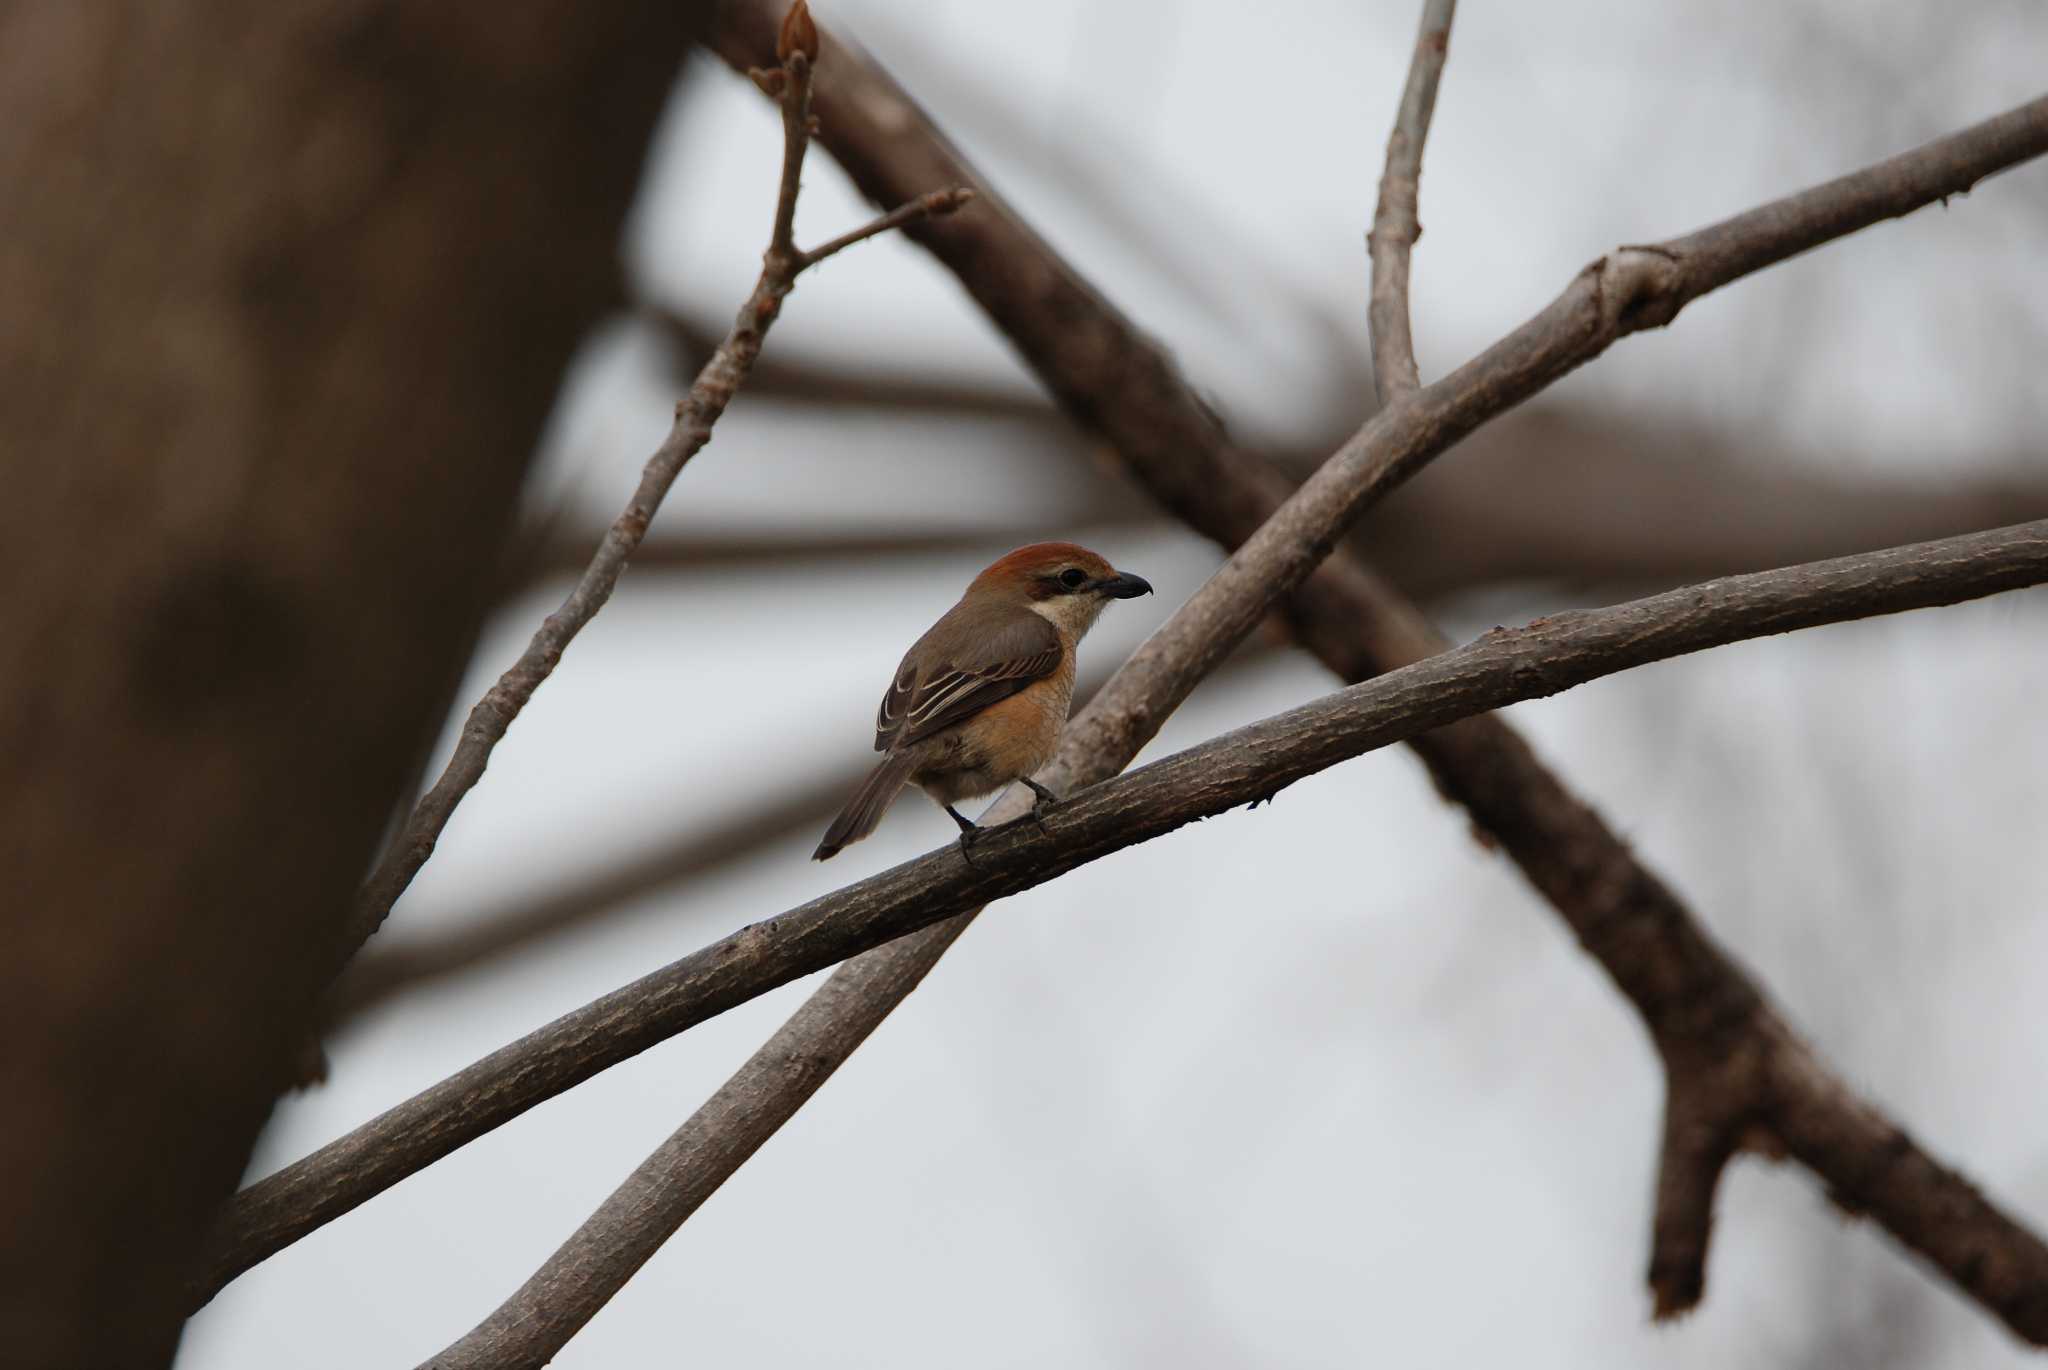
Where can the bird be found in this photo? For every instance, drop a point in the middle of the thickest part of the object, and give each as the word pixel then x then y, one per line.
pixel 980 699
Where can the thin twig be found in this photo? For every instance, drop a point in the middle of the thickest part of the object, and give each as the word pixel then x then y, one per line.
pixel 712 391
pixel 925 206
pixel 1249 764
pixel 1395 226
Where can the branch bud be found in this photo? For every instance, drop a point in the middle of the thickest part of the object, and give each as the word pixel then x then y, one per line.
pixel 799 33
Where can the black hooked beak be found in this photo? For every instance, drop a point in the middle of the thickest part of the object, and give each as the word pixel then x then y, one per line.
pixel 1124 586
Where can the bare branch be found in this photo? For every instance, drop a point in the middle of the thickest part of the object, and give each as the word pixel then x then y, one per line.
pixel 1118 382
pixel 709 395
pixel 1395 227
pixel 792 93
pixel 1247 765
pixel 923 207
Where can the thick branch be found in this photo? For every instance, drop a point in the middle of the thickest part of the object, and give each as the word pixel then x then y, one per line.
pixel 709 395
pixel 1395 227
pixel 1253 763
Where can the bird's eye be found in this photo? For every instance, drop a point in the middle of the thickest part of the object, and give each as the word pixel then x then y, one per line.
pixel 1073 577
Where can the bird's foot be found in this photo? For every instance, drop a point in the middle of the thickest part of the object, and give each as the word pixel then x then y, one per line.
pixel 970 832
pixel 1041 800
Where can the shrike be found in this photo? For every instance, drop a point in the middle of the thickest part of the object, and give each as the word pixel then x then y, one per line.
pixel 980 699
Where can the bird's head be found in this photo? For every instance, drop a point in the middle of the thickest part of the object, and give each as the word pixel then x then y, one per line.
pixel 1062 582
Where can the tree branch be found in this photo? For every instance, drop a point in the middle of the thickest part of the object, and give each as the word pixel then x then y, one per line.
pixel 713 390
pixel 1249 764
pixel 1394 224
pixel 1114 380
pixel 924 206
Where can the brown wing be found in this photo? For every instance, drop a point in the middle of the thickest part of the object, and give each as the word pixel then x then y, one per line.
pixel 960 684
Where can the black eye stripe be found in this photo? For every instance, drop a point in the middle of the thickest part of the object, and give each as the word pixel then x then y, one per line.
pixel 1072 578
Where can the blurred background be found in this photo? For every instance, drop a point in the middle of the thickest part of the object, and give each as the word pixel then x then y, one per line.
pixel 1323 1082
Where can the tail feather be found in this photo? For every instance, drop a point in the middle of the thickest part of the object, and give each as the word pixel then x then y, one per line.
pixel 869 803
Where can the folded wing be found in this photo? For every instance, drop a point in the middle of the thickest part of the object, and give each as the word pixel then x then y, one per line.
pixel 957 685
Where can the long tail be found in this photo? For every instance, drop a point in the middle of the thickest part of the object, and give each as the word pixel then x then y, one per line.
pixel 869 803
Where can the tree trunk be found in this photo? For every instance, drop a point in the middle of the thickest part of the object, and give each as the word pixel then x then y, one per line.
pixel 288 290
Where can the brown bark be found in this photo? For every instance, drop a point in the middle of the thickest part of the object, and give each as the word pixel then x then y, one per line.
pixel 289 289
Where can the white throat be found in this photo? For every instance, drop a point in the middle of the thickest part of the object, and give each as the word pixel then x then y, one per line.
pixel 1073 615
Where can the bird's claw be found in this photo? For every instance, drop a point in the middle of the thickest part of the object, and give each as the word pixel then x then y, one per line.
pixel 1042 798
